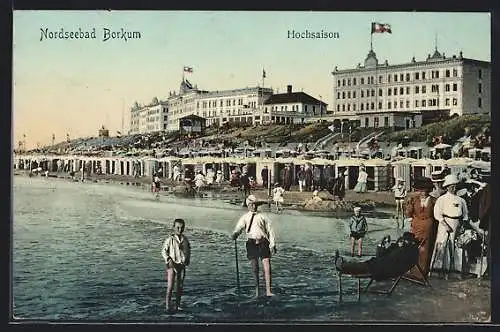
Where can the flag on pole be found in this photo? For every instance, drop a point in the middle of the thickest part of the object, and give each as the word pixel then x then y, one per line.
pixel 381 27
pixel 263 73
pixel 188 69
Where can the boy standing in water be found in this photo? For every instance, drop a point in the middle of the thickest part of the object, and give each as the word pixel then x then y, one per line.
pixel 358 228
pixel 176 252
pixel 260 241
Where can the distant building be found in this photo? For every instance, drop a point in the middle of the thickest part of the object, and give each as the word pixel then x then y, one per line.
pixel 149 118
pixel 292 107
pixel 192 124
pixel 103 132
pixel 411 94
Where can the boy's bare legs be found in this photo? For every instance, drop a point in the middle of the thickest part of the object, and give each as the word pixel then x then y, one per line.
pixel 352 246
pixel 266 264
pixel 360 246
pixel 255 267
pixel 179 288
pixel 170 284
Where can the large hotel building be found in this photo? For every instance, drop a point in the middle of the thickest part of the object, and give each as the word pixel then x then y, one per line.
pixel 410 94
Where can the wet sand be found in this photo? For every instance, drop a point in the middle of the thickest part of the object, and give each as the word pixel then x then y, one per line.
pixel 467 300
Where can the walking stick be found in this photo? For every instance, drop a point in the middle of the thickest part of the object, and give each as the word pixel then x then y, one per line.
pixel 237 268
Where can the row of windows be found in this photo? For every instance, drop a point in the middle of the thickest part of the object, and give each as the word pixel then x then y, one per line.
pixel 402 90
pixel 402 104
pixel 399 77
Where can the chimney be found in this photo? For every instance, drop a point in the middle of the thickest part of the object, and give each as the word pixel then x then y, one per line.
pixel 289 89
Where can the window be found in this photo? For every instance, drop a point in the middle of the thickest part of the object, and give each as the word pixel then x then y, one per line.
pixel 417 89
pixel 368 93
pixel 480 75
pixel 395 77
pixel 454 86
pixel 380 79
pixel 349 82
pixel 423 103
pixel 423 89
pixel 222 102
pixel 455 102
pixel 354 81
pixel 349 94
pixel 395 91
pixel 379 105
pixel 389 105
pixel 338 83
pixel 362 80
pixel 375 122
pixel 423 75
pixel 479 88
pixel 447 88
pixel 338 95
pixel 362 106
pixel 401 77
pixel 429 102
pixel 447 73
pixel 479 102
pixel 401 90
pixel 416 103
pixel 434 88
pixel 343 82
pixel 389 91
pixel 373 93
pixel 386 121
pixel 389 78
pixel 407 90
pixel 354 94
pixel 407 77
pixel 343 94
pixel 366 122
pixel 348 107
pixel 362 93
pixel 354 107
pixel 407 104
pixel 367 106
pixel 437 73
pixel 372 79
pixel 417 75
pixel 380 92
pixel 401 104
pixel 343 108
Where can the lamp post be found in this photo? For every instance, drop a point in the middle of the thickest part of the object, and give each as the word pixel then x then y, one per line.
pixel 320 109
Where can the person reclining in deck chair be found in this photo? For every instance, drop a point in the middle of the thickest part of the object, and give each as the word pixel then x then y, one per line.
pixel 397 259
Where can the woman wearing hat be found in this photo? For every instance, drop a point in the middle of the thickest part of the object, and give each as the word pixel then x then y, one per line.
pixel 450 211
pixel 437 178
pixel 420 210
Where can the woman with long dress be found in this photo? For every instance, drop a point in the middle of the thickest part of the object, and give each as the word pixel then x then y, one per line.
pixel 420 210
pixel 450 211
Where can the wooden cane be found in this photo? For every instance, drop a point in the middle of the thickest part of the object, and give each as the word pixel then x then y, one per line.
pixel 237 268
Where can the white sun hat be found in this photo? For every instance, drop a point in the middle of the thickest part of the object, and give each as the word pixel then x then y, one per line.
pixel 251 199
pixel 450 179
pixel 357 208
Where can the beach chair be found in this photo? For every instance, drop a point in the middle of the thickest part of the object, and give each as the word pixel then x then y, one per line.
pixel 393 277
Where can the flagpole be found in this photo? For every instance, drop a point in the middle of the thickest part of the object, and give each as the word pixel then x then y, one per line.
pixel 371 41
pixel 183 73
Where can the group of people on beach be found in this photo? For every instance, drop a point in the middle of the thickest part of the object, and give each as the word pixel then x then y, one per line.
pixel 438 218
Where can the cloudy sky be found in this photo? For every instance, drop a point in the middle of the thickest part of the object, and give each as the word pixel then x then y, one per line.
pixel 77 85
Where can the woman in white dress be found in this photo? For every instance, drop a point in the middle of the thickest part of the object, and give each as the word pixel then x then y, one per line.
pixel 450 211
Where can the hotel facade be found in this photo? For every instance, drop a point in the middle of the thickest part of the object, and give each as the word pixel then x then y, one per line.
pixel 251 105
pixel 405 95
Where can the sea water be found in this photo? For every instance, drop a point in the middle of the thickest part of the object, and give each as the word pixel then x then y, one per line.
pixel 92 252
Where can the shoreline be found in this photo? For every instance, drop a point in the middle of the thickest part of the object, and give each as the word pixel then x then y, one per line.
pixel 378 203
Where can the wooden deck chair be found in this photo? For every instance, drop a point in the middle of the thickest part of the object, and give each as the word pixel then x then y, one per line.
pixel 395 280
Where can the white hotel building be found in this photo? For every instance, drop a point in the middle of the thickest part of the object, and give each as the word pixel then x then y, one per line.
pixel 409 94
pixel 149 118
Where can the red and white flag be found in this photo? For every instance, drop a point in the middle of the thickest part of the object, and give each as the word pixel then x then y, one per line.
pixel 381 27
pixel 188 69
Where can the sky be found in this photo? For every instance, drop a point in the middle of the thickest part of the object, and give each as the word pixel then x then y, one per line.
pixel 74 86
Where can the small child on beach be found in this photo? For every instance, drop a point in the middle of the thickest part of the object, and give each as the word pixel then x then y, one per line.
pixel 176 252
pixel 278 192
pixel 358 228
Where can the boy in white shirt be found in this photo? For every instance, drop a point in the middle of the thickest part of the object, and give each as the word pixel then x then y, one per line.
pixel 399 196
pixel 176 252
pixel 261 242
